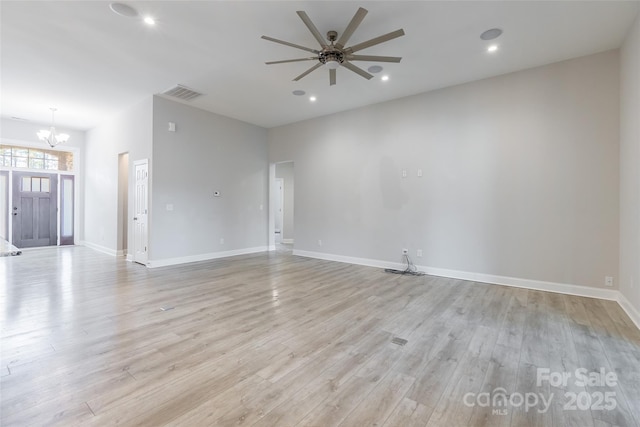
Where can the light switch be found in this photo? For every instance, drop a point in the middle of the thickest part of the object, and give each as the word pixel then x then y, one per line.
pixel 169 207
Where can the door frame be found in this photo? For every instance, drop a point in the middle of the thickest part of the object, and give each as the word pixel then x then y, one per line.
pixel 7 204
pixel 279 208
pixel 77 167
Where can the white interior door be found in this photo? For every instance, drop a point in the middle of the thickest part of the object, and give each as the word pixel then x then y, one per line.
pixel 141 212
pixel 4 205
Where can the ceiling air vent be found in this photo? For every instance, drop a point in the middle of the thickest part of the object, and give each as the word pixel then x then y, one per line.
pixel 182 92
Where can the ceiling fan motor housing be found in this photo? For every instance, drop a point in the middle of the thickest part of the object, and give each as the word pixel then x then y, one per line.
pixel 331 54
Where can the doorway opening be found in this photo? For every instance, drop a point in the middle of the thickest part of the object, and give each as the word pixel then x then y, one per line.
pixel 123 204
pixel 282 202
pixel 37 196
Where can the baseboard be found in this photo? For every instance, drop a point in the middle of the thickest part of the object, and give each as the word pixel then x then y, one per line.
pixel 205 257
pixel 100 248
pixel 288 241
pixel 631 311
pixel 349 260
pixel 538 285
pixel 562 288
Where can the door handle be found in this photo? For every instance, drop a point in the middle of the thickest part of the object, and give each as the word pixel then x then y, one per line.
pixel 135 218
pixel 15 213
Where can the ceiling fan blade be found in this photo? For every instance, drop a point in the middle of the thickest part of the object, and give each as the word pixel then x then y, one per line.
pixel 332 77
pixel 381 39
pixel 353 25
pixel 374 58
pixel 357 70
pixel 297 46
pixel 307 21
pixel 291 60
pixel 318 65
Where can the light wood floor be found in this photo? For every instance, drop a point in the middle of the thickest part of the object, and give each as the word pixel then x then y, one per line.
pixel 278 340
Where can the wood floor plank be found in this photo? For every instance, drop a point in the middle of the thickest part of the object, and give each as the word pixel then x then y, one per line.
pixel 272 339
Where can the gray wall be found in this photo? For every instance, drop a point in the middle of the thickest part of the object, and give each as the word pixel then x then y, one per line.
pixel 520 176
pixel 285 171
pixel 207 153
pixel 130 132
pixel 629 167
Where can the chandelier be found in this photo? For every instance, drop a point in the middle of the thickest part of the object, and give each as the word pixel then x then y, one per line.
pixel 50 135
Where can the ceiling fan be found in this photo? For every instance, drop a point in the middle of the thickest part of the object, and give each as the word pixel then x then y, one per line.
pixel 334 54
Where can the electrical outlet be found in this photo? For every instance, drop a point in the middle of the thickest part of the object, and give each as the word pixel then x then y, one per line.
pixel 319 242
pixel 222 240
pixel 419 253
pixel 404 173
pixel 405 251
pixel 608 281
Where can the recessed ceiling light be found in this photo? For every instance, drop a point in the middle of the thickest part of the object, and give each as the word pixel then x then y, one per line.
pixel 298 92
pixel 312 98
pixel 384 78
pixel 374 69
pixel 149 20
pixel 123 10
pixel 492 48
pixel 491 34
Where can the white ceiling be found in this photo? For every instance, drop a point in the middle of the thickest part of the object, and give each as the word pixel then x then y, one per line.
pixel 91 63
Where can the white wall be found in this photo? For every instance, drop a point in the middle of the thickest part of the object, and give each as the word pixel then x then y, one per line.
pixel 23 131
pixel 520 176
pixel 630 167
pixel 207 153
pixel 130 131
pixel 285 171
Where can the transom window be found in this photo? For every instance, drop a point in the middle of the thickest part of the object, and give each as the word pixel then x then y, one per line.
pixel 35 158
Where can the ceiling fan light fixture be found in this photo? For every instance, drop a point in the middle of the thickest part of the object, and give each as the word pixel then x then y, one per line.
pixel 337 52
pixel 332 64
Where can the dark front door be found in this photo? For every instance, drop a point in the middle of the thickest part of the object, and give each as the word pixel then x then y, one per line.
pixel 34 210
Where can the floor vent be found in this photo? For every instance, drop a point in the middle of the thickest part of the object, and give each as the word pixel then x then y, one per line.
pixel 399 341
pixel 182 92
